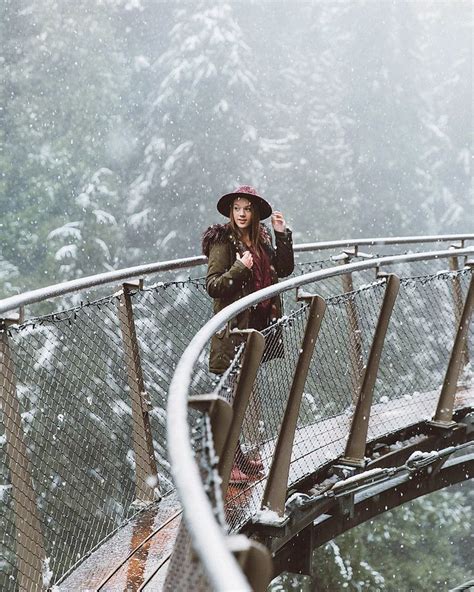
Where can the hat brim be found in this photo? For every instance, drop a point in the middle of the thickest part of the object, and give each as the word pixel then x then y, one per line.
pixel 226 201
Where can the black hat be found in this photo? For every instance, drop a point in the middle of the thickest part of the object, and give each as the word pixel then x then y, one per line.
pixel 225 202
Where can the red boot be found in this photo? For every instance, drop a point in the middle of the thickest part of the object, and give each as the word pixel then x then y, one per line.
pixel 255 465
pixel 238 477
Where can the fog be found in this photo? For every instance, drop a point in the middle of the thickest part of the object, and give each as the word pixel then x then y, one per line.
pixel 123 121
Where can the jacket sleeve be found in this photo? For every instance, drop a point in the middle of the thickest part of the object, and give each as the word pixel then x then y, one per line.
pixel 284 257
pixel 222 282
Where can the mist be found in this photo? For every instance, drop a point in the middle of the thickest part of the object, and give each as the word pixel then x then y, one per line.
pixel 123 121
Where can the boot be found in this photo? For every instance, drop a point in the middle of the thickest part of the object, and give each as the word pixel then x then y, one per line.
pixel 255 464
pixel 248 463
pixel 238 477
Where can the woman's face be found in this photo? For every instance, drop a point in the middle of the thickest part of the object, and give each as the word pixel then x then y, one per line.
pixel 242 212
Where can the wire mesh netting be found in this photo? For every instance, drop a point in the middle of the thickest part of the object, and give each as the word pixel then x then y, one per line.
pixel 76 419
pixel 329 392
pixel 76 415
pixel 185 572
pixel 417 348
pixel 72 383
pixel 334 377
pixel 413 364
pixel 167 316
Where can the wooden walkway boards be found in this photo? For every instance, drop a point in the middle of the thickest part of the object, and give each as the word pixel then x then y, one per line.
pixel 137 553
pixel 317 444
pixel 136 557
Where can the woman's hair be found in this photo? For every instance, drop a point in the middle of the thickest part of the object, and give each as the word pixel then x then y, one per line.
pixel 254 225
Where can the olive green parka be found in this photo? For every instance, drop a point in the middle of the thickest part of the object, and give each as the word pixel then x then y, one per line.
pixel 228 280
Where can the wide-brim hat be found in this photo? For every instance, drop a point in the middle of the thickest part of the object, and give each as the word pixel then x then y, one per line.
pixel 226 201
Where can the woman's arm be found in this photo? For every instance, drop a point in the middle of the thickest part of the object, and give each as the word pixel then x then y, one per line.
pixel 222 282
pixel 284 257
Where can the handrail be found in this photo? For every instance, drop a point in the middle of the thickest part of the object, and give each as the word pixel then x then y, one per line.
pixel 390 240
pixel 197 510
pixel 33 296
pixel 91 281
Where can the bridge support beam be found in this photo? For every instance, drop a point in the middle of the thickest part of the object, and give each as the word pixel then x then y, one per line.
pixel 357 440
pixel 457 298
pixel 355 341
pixel 274 496
pixel 146 473
pixel 252 357
pixel 444 410
pixel 29 538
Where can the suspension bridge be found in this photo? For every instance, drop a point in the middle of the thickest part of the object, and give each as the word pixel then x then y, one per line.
pixel 118 444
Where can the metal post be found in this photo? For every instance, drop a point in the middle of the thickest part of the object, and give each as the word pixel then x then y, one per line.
pixel 29 538
pixel 355 341
pixel 444 410
pixel 252 357
pixel 220 414
pixel 458 301
pixel 145 464
pixel 275 491
pixel 254 559
pixel 355 448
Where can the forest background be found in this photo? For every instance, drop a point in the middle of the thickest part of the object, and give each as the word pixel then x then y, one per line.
pixel 123 121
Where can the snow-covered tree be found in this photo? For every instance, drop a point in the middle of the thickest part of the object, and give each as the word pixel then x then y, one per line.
pixel 443 167
pixel 93 243
pixel 202 133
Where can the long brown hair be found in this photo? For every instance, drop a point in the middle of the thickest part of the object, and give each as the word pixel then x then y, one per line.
pixel 254 225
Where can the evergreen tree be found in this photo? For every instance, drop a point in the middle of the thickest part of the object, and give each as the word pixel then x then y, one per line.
pixel 61 115
pixel 202 136
pixel 443 171
pixel 93 243
pixel 395 551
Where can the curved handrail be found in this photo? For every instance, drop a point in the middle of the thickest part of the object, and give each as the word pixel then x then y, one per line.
pixel 366 242
pixel 196 507
pixel 92 281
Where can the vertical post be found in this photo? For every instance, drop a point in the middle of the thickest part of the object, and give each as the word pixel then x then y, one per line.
pixel 355 342
pixel 275 491
pixel 254 559
pixel 458 301
pixel 444 410
pixel 145 464
pixel 220 414
pixel 250 364
pixel 29 538
pixel 356 443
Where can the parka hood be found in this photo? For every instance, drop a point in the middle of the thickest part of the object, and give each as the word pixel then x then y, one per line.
pixel 220 233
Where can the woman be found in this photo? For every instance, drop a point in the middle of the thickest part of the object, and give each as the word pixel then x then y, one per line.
pixel 242 259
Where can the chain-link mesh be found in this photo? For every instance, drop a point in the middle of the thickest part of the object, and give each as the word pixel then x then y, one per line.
pixel 76 418
pixel 416 351
pixel 75 402
pixel 334 377
pixel 413 364
pixel 185 571
pixel 167 316
pixel 76 414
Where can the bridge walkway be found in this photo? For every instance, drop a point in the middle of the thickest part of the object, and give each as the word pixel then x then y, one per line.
pixel 137 556
pixel 84 392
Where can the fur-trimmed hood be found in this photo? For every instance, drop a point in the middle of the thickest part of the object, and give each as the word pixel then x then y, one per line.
pixel 221 233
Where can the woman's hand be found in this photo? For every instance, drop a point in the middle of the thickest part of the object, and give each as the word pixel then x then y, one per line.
pixel 246 259
pixel 278 222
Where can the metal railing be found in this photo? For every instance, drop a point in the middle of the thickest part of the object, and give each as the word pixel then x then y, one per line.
pixel 112 277
pixel 84 392
pixel 389 347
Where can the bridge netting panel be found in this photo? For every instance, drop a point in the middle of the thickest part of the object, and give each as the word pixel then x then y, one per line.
pixel 75 404
pixel 417 349
pixel 76 415
pixel 413 364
